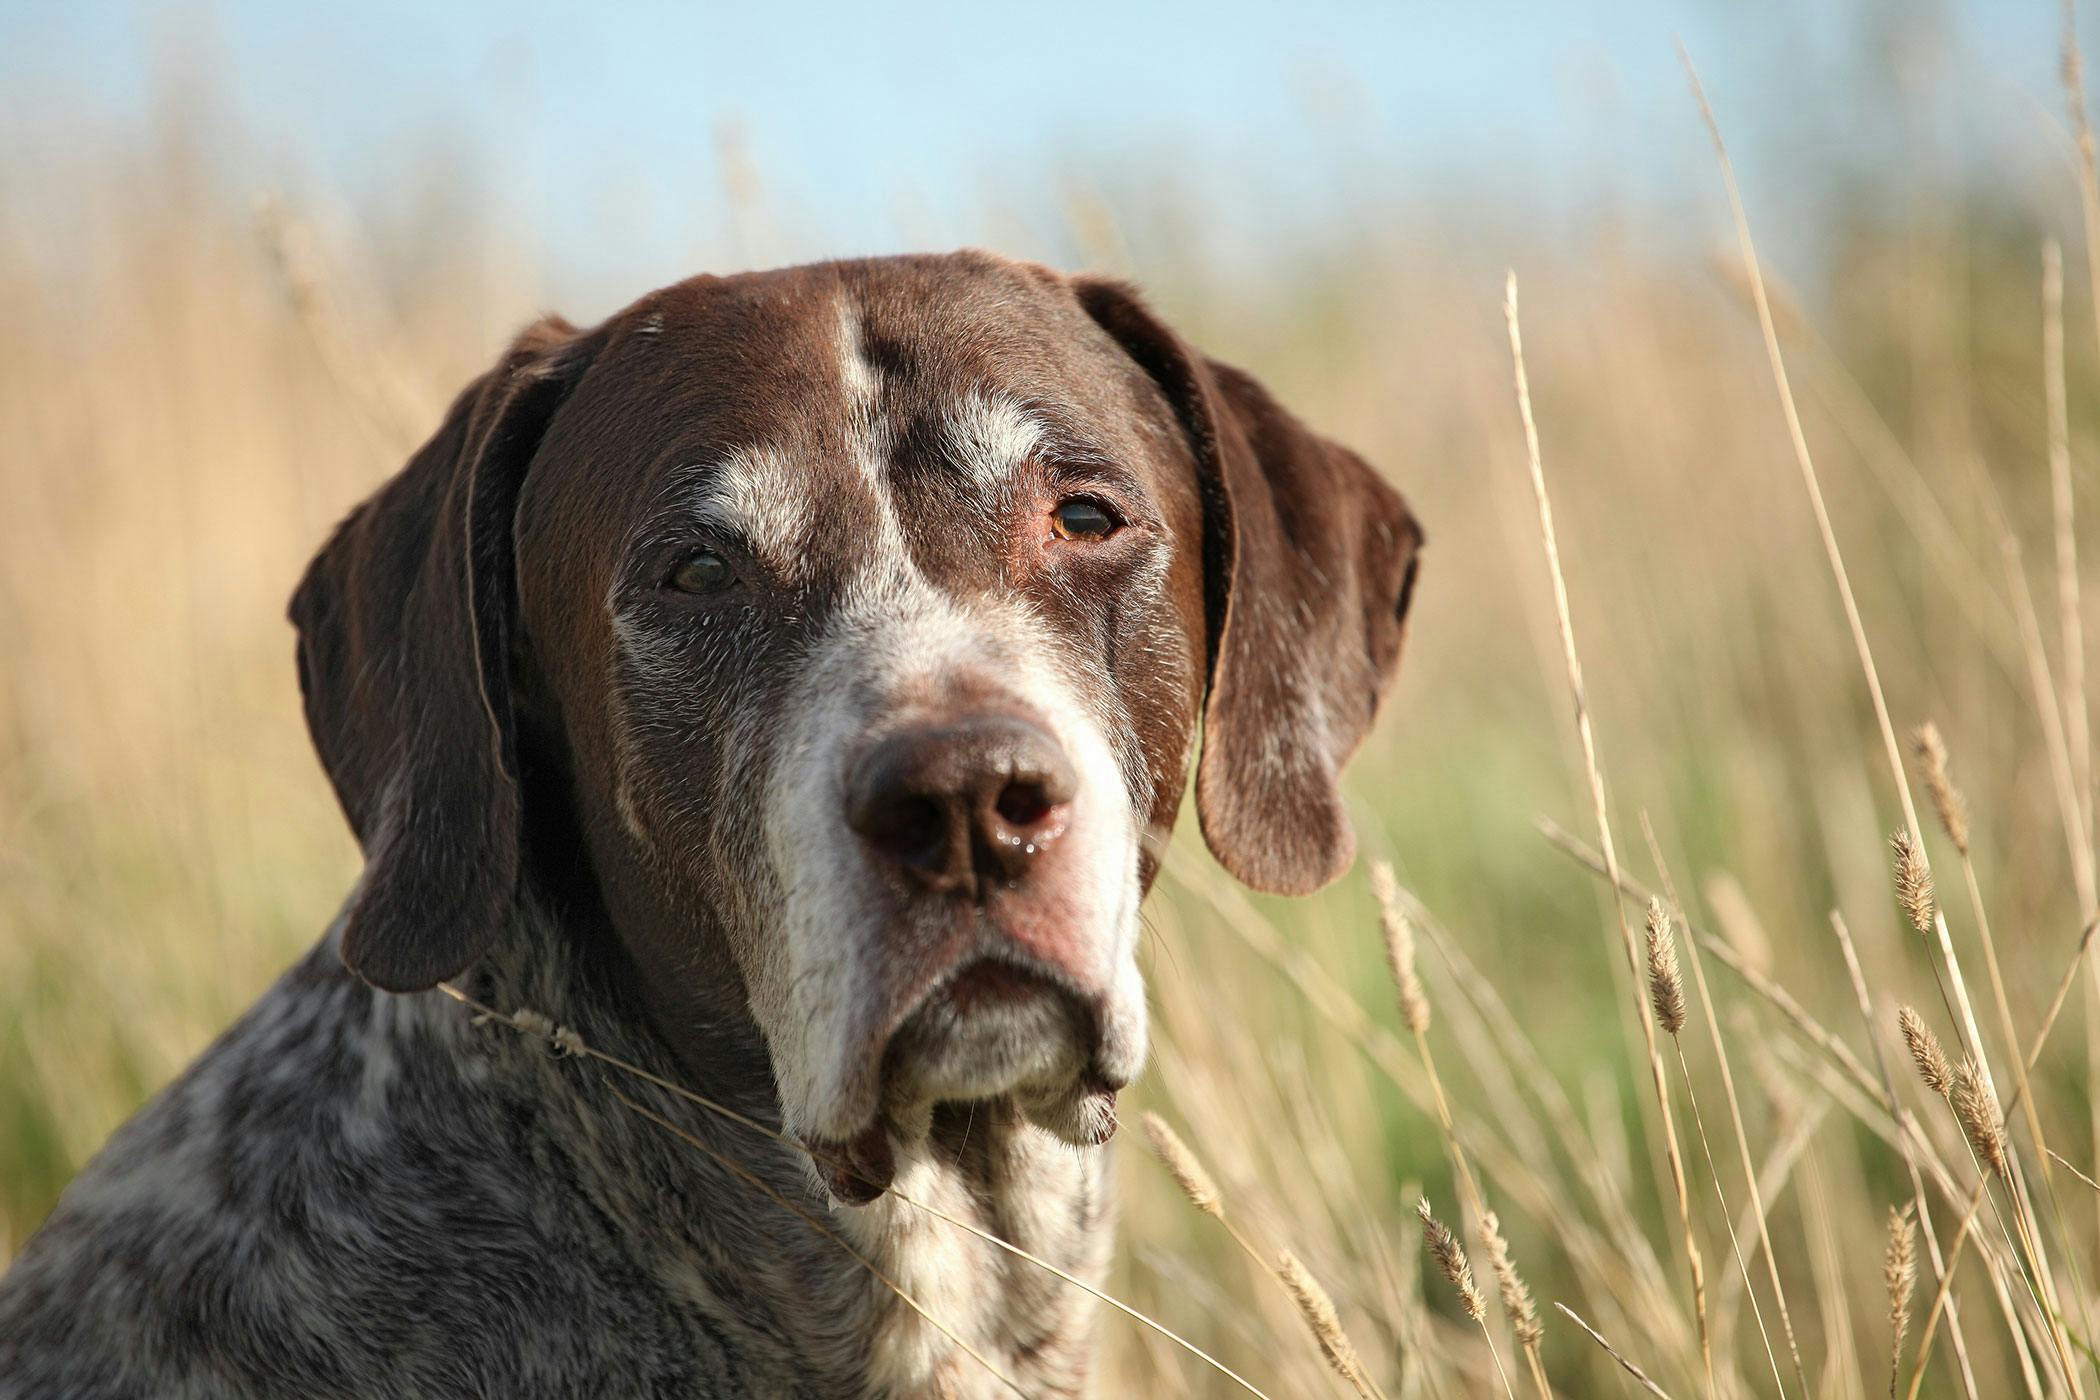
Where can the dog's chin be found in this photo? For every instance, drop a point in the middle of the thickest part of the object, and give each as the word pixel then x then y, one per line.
pixel 991 1032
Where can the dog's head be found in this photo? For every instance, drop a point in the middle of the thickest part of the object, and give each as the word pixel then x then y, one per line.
pixel 859 619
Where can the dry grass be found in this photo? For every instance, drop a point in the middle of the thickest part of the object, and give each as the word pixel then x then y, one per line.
pixel 191 399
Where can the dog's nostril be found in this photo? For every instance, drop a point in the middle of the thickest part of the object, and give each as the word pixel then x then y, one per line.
pixel 953 806
pixel 909 830
pixel 1023 803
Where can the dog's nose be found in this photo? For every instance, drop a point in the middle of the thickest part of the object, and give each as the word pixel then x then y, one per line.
pixel 959 804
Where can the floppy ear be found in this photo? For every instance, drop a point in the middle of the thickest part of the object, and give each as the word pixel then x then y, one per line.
pixel 1309 564
pixel 405 621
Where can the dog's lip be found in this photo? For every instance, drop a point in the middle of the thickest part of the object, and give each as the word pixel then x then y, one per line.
pixel 988 981
pixel 982 979
pixel 858 1166
pixel 859 1169
pixel 984 965
pixel 989 974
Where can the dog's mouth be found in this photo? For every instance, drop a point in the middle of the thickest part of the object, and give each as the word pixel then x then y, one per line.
pixel 993 1029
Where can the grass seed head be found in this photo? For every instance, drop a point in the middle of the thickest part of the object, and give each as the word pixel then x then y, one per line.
pixel 1925 1051
pixel 1953 812
pixel 1899 1269
pixel 1913 881
pixel 1665 982
pixel 1400 948
pixel 1320 1315
pixel 1977 1109
pixel 1184 1166
pixel 1516 1297
pixel 1451 1260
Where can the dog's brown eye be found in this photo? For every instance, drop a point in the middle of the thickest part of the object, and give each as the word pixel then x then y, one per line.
pixel 1083 519
pixel 702 572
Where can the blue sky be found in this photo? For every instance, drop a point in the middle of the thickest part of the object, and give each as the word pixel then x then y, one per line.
pixel 596 127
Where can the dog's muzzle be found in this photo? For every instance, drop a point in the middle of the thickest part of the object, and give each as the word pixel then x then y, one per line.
pixel 998 969
pixel 962 808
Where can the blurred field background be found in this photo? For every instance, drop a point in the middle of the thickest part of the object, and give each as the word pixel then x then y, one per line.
pixel 209 351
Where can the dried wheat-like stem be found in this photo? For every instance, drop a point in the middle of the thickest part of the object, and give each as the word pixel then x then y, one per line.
pixel 1925 1051
pixel 1665 982
pixel 1805 461
pixel 2065 784
pixel 1899 1270
pixel 1414 1012
pixel 1195 1181
pixel 2060 475
pixel 1201 1188
pixel 1451 1261
pixel 1919 1150
pixel 1918 1200
pixel 2073 73
pixel 2070 607
pixel 2042 682
pixel 1735 1245
pixel 1930 750
pixel 1967 1091
pixel 1735 1108
pixel 1318 1310
pixel 1939 1298
pixel 2034 1054
pixel 2062 501
pixel 1977 1112
pixel 1645 1381
pixel 1913 881
pixel 1913 878
pixel 1516 1297
pixel 1595 775
pixel 1666 990
pixel 1184 1166
pixel 2060 1161
pixel 1778 997
pixel 1840 1055
pixel 1457 1270
pixel 1400 949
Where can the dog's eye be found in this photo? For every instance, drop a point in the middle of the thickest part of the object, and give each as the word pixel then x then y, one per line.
pixel 702 572
pixel 1083 518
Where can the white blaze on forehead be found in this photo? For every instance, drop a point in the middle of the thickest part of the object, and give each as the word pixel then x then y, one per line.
pixel 991 434
pixel 862 383
pixel 887 557
pixel 754 494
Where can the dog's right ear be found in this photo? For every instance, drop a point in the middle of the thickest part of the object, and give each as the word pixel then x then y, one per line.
pixel 405 621
pixel 1309 561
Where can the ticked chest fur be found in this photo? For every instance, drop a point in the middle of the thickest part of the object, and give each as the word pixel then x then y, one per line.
pixel 355 1193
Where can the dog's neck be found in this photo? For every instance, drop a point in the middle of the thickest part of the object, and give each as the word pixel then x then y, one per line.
pixel 786 1241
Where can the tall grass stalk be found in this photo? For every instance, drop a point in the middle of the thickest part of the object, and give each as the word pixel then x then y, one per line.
pixel 1671 907
pixel 1812 484
pixel 1413 1003
pixel 1595 776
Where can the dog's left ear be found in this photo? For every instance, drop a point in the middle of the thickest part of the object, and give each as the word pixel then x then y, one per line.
pixel 405 623
pixel 1309 562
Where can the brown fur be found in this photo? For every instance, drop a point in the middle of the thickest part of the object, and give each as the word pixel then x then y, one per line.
pixel 536 737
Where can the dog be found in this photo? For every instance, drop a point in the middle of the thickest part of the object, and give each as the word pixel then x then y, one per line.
pixel 783 689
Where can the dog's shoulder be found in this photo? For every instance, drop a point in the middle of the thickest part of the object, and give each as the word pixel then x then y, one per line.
pixel 348 1193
